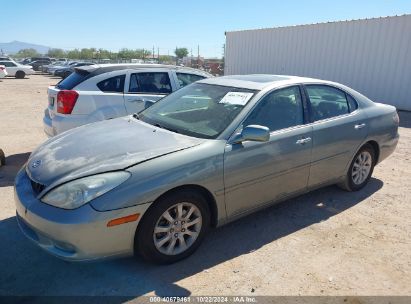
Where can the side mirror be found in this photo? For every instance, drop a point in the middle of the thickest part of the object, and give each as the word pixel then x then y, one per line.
pixel 253 133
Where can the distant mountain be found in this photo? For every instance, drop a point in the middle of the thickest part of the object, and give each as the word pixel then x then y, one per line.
pixel 15 46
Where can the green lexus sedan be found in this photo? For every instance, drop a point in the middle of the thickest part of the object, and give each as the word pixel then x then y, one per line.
pixel 153 183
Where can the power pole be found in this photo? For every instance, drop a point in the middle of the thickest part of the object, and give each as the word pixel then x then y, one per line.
pixel 158 55
pixel 153 53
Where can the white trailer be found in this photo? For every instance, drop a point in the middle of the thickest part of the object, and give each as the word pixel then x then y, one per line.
pixel 373 56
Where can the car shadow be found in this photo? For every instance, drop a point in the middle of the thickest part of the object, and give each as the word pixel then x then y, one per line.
pixel 27 270
pixel 405 119
pixel 14 78
pixel 13 164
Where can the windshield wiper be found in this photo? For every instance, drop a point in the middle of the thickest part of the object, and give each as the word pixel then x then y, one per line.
pixel 165 128
pixel 136 116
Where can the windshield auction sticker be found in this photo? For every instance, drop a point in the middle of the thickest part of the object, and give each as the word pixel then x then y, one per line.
pixel 236 98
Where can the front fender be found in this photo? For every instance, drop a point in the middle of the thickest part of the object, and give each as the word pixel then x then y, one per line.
pixel 201 165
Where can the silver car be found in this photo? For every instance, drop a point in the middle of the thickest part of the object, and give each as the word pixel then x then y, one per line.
pixel 153 183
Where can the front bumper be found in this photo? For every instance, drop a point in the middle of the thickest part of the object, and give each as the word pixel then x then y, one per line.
pixel 78 235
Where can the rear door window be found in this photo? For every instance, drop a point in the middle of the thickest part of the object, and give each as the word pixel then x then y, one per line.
pixel 326 102
pixel 113 84
pixel 150 82
pixel 8 64
pixel 186 78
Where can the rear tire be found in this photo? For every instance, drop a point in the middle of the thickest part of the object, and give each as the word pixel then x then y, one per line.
pixel 360 170
pixel 20 74
pixel 165 241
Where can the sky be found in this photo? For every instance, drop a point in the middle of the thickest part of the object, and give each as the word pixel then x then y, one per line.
pixel 169 24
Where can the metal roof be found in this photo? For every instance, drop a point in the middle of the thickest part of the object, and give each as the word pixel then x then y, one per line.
pixel 372 56
pixel 316 23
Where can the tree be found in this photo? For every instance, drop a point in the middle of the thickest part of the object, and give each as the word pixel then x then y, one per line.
pixel 104 54
pixel 125 53
pixel 56 53
pixel 87 53
pixel 133 54
pixel 27 53
pixel 73 54
pixel 165 59
pixel 181 52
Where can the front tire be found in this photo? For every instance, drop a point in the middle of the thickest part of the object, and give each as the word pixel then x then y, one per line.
pixel 20 74
pixel 361 169
pixel 173 228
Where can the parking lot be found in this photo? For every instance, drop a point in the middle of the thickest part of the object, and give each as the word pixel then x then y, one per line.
pixel 328 242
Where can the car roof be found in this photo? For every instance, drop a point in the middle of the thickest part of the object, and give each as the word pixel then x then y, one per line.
pixel 97 69
pixel 258 81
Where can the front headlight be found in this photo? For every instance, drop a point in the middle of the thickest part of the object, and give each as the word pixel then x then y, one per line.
pixel 80 191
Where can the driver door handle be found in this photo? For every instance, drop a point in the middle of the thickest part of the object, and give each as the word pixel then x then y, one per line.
pixel 303 141
pixel 135 100
pixel 359 126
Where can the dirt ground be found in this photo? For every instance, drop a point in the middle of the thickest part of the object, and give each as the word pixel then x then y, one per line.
pixel 328 242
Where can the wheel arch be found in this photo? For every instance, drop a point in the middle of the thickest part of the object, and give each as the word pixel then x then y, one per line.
pixel 209 197
pixel 373 144
pixel 376 149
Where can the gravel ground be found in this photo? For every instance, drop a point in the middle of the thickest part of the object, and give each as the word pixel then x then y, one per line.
pixel 328 242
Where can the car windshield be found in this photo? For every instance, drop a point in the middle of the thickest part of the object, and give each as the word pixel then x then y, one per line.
pixel 200 110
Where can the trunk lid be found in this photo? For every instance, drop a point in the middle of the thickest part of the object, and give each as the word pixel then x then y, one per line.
pixel 52 92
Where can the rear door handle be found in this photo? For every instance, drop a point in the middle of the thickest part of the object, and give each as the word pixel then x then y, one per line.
pixel 303 141
pixel 135 100
pixel 359 126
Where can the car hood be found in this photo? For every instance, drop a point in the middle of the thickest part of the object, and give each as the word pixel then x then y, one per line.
pixel 100 147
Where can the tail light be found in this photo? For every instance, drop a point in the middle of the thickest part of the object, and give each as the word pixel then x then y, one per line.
pixel 2 68
pixel 66 100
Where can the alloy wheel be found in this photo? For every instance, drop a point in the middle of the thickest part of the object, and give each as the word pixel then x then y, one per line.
pixel 177 228
pixel 361 167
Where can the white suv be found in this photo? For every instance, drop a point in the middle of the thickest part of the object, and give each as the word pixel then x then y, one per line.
pixel 99 92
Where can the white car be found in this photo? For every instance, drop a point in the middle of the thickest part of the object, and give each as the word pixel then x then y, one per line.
pixel 3 71
pixel 99 92
pixel 16 69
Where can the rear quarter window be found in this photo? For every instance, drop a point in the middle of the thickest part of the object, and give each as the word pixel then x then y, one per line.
pixel 113 84
pixel 352 103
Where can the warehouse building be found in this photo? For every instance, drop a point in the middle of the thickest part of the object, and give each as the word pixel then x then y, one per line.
pixel 373 56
